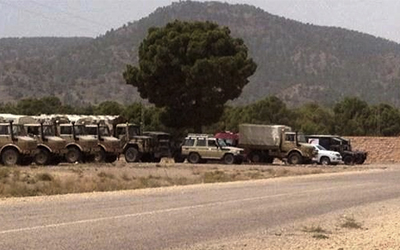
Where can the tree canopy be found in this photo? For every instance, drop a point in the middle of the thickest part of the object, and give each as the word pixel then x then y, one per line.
pixel 191 69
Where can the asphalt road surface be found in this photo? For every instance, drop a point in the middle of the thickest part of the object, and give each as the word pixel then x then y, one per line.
pixel 182 216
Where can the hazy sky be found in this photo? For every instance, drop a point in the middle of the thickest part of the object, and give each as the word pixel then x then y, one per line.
pixel 27 18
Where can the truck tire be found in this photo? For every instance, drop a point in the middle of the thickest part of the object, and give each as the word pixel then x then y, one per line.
pixel 10 157
pixel 348 160
pixel 131 155
pixel 194 158
pixel 255 157
pixel 295 158
pixel 229 159
pixel 360 160
pixel 325 161
pixel 100 156
pixel 73 155
pixel 269 159
pixel 43 157
pixel 111 158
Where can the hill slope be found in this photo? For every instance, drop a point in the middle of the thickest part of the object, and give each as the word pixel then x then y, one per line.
pixel 297 62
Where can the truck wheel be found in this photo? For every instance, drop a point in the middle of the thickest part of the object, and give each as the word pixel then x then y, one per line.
pixel 131 154
pixel 269 159
pixel 43 157
pixel 360 160
pixel 194 158
pixel 348 160
pixel 325 161
pixel 10 157
pixel 295 158
pixel 100 156
pixel 111 158
pixel 255 157
pixel 73 155
pixel 229 159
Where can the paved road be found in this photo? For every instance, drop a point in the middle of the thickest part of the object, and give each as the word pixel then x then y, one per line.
pixel 181 216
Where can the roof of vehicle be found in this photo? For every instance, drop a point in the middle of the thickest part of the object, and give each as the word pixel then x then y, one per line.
pixel 200 135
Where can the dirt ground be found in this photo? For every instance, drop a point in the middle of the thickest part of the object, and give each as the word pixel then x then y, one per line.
pixel 374 227
pixel 379 149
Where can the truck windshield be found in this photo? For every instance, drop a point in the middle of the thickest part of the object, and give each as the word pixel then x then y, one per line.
pixel 80 130
pixel 48 130
pixel 301 138
pixel 134 130
pixel 18 130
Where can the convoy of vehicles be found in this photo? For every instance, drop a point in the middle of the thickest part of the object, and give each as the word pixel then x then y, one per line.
pixel 49 139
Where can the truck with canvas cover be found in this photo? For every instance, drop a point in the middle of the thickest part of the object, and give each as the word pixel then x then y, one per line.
pixel 15 146
pixel 264 143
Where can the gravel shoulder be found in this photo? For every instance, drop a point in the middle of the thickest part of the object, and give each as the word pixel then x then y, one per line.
pixel 378 229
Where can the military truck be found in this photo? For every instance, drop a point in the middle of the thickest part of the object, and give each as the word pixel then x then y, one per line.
pixel 264 143
pixel 202 147
pixel 51 148
pixel 109 146
pixel 341 145
pixel 81 147
pixel 161 144
pixel 135 146
pixel 15 146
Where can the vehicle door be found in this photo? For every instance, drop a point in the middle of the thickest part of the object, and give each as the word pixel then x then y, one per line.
pixel 214 151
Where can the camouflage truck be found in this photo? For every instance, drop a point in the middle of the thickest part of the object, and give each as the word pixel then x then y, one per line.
pixel 15 146
pixel 109 146
pixel 51 148
pixel 135 146
pixel 81 147
pixel 161 145
pixel 264 143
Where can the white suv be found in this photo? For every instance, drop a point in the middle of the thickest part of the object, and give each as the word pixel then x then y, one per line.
pixel 200 148
pixel 326 157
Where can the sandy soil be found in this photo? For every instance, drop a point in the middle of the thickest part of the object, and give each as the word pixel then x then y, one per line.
pixel 378 229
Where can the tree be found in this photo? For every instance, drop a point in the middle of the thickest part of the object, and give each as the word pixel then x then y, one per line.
pixel 191 69
pixel 351 115
pixel 314 119
pixel 109 108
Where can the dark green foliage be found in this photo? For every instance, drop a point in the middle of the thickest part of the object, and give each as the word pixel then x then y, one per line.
pixel 351 116
pixel 312 118
pixel 191 69
pixel 108 108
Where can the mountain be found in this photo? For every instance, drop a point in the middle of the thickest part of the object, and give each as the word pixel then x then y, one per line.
pixel 297 62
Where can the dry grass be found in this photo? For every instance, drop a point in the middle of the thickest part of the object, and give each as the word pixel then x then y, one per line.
pixel 68 178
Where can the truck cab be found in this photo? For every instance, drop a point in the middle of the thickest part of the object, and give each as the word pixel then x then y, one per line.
pixel 135 146
pixel 109 146
pixel 51 148
pixel 15 146
pixel 81 147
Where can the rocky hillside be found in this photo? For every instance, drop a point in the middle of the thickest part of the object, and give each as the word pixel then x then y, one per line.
pixel 297 62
